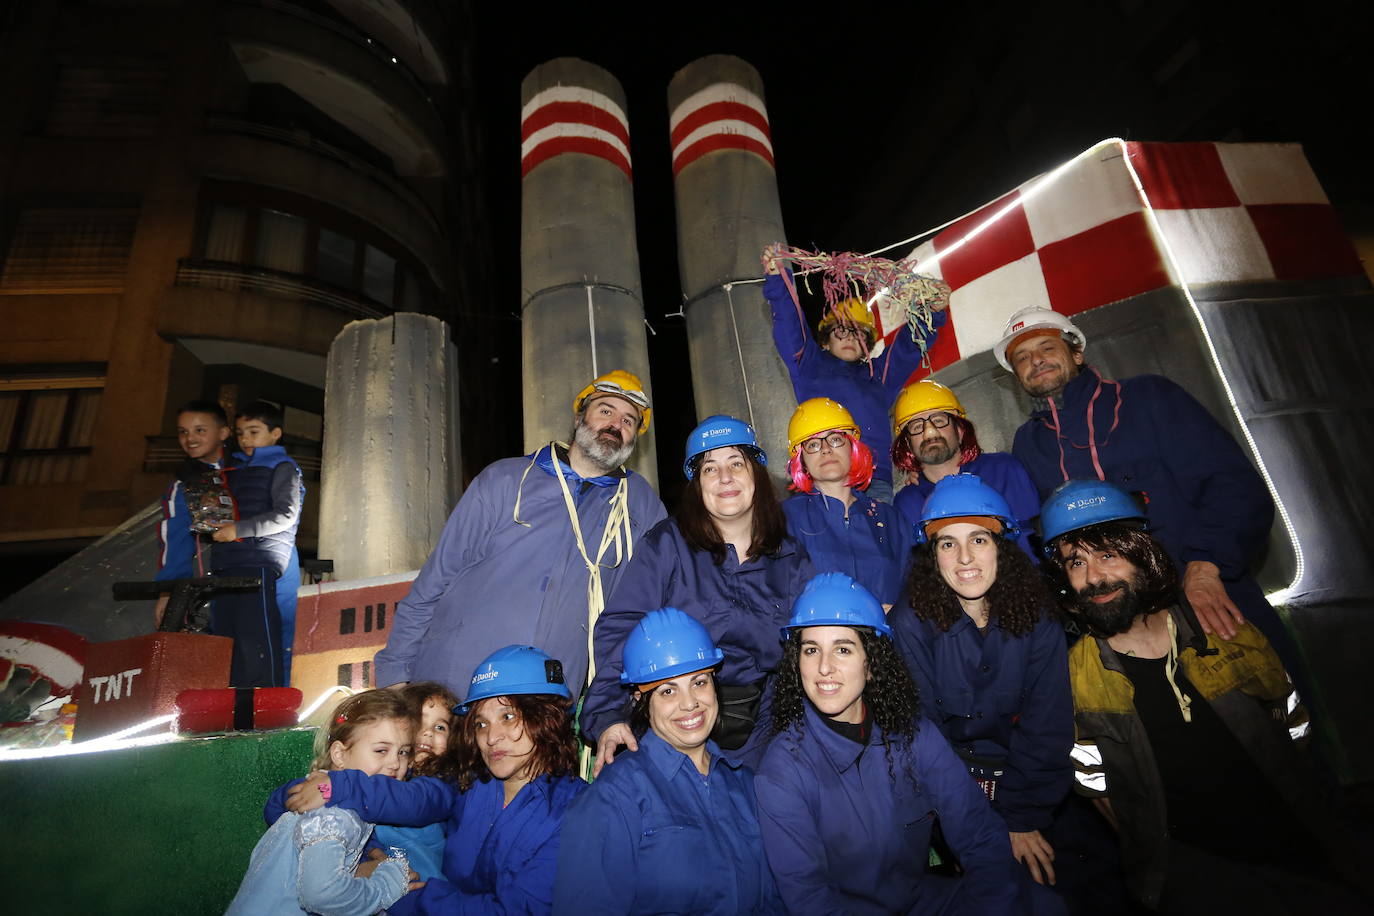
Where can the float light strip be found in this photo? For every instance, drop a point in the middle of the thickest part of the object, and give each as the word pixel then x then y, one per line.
pixel 111 742
pixel 1283 594
pixel 1038 186
pixel 319 701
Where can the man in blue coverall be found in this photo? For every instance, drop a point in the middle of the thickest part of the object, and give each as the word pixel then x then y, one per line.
pixel 530 549
pixel 1207 503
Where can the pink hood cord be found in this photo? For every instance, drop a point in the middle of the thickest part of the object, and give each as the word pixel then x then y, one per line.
pixel 1092 434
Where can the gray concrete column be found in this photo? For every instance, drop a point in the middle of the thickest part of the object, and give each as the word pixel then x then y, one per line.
pixel 727 211
pixel 391 470
pixel 582 313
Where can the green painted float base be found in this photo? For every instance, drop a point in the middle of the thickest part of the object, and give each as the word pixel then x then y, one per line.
pixel 164 829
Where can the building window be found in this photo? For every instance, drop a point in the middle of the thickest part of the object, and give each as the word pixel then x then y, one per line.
pixel 367 619
pixel 107 96
pixel 381 616
pixel 334 258
pixel 281 242
pixel 379 276
pixel 347 620
pixel 47 424
pixel 64 250
pixel 355 676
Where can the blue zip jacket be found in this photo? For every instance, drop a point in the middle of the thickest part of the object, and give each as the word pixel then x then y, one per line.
pixel 866 389
pixel 741 606
pixel 289 582
pixel 652 835
pixel 497 860
pixel 871 544
pixel 1003 473
pixel 176 541
pixel 847 831
pixel 493 580
pixel 1207 501
pixel 998 697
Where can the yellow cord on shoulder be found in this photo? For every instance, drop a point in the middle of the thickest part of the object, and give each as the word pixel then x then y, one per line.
pixel 1171 668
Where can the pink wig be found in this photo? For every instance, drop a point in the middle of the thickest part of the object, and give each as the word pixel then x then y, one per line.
pixel 860 467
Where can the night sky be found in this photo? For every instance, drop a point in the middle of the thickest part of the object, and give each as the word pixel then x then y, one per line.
pixel 890 121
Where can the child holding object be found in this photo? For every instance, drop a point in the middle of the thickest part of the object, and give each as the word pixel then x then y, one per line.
pixel 305 863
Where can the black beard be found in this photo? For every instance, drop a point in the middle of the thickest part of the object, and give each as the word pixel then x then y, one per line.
pixel 1113 617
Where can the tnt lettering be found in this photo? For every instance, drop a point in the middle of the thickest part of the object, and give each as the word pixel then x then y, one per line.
pixel 114 686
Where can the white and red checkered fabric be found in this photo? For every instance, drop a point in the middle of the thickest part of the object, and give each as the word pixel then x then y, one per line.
pixel 1227 213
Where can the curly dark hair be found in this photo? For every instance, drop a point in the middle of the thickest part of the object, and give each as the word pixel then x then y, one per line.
pixel 1017 599
pixel 890 695
pixel 441 766
pixel 1156 579
pixel 548 722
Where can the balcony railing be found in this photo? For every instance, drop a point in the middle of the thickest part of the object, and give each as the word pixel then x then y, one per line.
pixel 227 275
pixel 301 140
pixel 347 31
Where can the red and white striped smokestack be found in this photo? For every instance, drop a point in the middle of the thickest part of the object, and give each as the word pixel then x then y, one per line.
pixel 582 313
pixel 727 211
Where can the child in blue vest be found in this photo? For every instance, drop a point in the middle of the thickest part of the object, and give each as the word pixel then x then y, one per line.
pixel 258 428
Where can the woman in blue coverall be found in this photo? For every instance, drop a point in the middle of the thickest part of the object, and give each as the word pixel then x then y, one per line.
pixel 727 560
pixel 517 764
pixel 842 529
pixel 990 660
pixel 673 828
pixel 849 788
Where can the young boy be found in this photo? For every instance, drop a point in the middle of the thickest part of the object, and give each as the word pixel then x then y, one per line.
pixel 202 428
pixel 258 428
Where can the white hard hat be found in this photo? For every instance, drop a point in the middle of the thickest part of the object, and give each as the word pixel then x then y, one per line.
pixel 1035 318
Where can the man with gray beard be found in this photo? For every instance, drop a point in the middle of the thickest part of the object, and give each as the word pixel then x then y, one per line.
pixel 531 549
pixel 1192 746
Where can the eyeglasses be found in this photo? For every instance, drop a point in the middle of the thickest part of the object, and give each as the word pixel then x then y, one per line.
pixel 836 441
pixel 636 398
pixel 844 331
pixel 917 425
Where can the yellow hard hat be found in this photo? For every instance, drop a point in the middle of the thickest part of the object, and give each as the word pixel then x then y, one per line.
pixel 850 311
pixel 918 397
pixel 815 416
pixel 621 384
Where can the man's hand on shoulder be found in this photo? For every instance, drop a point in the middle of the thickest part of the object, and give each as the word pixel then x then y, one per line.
pixel 1205 592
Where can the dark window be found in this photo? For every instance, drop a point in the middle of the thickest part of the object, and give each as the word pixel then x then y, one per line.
pixel 47 422
pixel 345 675
pixel 347 620
pixel 367 674
pixel 111 96
pixel 367 619
pixel 335 258
pixel 59 250
pixel 381 616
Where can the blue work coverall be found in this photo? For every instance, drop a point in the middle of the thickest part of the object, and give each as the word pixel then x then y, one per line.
pixel 1003 473
pixel 1206 500
pixel 870 544
pixel 497 860
pixel 1000 699
pixel 742 607
pixel 847 829
pixel 866 389
pixel 495 579
pixel 652 835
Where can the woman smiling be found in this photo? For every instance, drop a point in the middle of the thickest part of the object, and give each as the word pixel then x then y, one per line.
pixel 849 789
pixel 725 559
pixel 672 828
pixel 990 660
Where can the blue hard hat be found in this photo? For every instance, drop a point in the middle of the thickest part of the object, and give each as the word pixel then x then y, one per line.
pixel 718 432
pixel 513 671
pixel 966 494
pixel 665 644
pixel 834 600
pixel 1076 504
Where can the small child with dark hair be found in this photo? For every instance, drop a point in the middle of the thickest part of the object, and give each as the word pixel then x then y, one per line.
pixel 258 428
pixel 431 704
